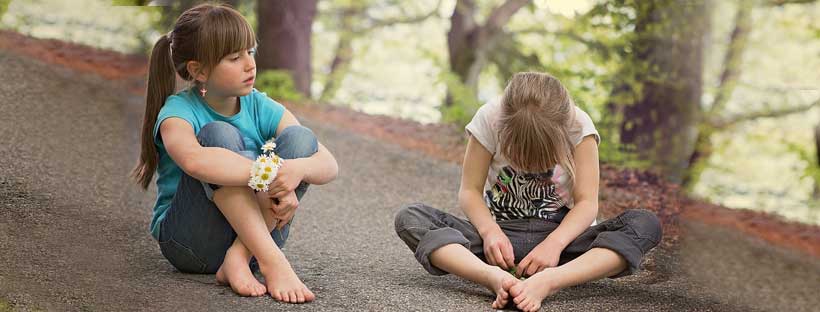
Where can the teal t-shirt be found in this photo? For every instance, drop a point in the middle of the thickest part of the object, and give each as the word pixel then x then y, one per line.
pixel 257 121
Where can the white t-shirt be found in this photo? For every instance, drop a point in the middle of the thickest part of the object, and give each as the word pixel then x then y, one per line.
pixel 513 195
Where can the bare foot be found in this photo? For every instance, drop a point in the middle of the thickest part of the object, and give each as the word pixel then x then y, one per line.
pixel 236 273
pixel 499 282
pixel 528 294
pixel 283 284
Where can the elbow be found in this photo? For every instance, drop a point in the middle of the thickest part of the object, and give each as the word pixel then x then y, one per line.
pixel 465 195
pixel 589 206
pixel 333 171
pixel 193 166
pixel 327 174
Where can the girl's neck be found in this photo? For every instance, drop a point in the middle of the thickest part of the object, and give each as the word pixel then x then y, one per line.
pixel 226 106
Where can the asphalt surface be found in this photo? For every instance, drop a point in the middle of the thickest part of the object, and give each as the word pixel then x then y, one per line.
pixel 74 230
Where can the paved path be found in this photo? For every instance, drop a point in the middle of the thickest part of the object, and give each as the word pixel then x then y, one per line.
pixel 74 230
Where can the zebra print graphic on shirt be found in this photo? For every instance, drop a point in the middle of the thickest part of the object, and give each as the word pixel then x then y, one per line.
pixel 518 196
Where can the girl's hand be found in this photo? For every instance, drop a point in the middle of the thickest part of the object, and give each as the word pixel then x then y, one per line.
pixel 287 178
pixel 284 208
pixel 498 250
pixel 545 255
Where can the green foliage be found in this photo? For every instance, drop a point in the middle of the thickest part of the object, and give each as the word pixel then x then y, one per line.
pixel 278 84
pixel 464 102
pixel 127 2
pixel 809 156
pixel 4 5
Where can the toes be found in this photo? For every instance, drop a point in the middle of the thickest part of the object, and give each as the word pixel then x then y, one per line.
pixel 503 294
pixel 500 300
pixel 309 296
pixel 508 283
pixel 516 289
pixel 300 297
pixel 523 304
pixel 276 295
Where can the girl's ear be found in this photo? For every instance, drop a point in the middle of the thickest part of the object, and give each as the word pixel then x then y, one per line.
pixel 195 70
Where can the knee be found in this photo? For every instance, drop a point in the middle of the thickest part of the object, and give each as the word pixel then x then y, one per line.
pixel 408 217
pixel 296 142
pixel 645 224
pixel 221 134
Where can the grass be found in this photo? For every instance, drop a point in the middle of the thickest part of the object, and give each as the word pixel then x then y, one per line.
pixel 5 306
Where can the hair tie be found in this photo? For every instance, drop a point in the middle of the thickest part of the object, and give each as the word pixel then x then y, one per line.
pixel 170 38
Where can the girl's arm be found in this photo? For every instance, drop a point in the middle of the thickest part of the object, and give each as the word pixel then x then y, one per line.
pixel 497 247
pixel 585 194
pixel 209 164
pixel 471 193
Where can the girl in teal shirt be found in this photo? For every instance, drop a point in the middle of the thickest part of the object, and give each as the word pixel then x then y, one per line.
pixel 202 143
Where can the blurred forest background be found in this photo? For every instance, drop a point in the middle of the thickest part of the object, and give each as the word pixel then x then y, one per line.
pixel 722 97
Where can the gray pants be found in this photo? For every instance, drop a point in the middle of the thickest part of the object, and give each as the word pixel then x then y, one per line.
pixel 425 229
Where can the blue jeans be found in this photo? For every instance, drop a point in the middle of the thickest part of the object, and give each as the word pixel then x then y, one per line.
pixel 194 235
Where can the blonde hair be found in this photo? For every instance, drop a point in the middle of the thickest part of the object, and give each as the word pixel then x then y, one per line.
pixel 537 119
pixel 205 33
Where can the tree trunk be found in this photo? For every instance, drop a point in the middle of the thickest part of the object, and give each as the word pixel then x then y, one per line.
pixel 285 29
pixel 343 56
pixel 468 42
pixel 660 122
pixel 816 193
pixel 732 65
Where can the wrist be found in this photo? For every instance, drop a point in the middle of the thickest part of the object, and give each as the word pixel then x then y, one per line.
pixel 297 166
pixel 555 242
pixel 488 230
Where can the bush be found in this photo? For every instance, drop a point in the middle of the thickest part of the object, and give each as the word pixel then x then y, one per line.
pixel 278 84
pixel 464 102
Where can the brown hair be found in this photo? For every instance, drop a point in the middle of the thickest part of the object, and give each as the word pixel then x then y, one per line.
pixel 537 118
pixel 205 33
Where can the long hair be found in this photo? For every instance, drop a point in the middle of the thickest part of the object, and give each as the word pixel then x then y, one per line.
pixel 537 119
pixel 205 33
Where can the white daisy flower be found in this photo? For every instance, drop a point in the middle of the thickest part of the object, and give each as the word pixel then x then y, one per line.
pixel 257 184
pixel 267 174
pixel 277 161
pixel 269 146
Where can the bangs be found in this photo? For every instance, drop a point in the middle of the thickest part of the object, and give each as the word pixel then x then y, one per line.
pixel 224 31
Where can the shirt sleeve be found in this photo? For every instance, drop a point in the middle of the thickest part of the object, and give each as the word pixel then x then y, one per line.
pixel 174 107
pixel 269 114
pixel 482 126
pixel 587 127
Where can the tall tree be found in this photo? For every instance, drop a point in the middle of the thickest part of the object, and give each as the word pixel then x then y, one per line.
pixel 715 118
pixel 816 192
pixel 468 41
pixel 285 29
pixel 662 82
pixel 354 21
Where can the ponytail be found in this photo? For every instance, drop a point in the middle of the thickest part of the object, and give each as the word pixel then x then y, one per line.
pixel 161 84
pixel 204 33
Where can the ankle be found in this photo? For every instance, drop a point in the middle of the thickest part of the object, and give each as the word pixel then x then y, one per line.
pixel 549 279
pixel 276 260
